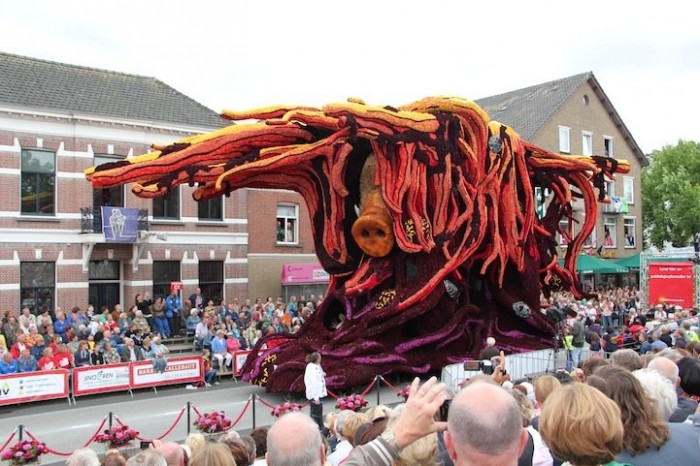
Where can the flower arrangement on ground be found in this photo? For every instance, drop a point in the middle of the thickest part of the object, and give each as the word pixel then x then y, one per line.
pixel 353 402
pixel 24 451
pixel 404 392
pixel 285 408
pixel 213 422
pixel 117 436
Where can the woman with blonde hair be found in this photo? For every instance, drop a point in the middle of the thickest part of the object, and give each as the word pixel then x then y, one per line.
pixel 582 426
pixel 212 454
pixel 542 385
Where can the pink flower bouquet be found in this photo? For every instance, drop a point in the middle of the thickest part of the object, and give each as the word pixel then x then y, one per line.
pixel 25 451
pixel 352 402
pixel 285 408
pixel 117 436
pixel 213 422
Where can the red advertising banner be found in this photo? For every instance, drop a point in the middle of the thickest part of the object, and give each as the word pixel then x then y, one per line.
pixel 100 379
pixel 33 386
pixel 672 283
pixel 178 370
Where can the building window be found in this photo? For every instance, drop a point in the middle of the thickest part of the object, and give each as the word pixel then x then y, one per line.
pixel 587 143
pixel 164 272
pixel 38 182
pixel 211 210
pixel 168 206
pixel 37 285
pixel 287 224
pixel 610 232
pixel 109 197
pixel 591 242
pixel 608 144
pixel 564 140
pixel 565 232
pixel 211 280
pixel 630 226
pixel 629 189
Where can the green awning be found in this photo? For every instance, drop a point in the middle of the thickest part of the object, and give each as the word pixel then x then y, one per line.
pixel 631 262
pixel 590 264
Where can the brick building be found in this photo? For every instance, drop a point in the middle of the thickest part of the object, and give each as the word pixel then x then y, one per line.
pixel 56 120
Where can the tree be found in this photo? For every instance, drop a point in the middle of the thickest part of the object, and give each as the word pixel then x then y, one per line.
pixel 671 195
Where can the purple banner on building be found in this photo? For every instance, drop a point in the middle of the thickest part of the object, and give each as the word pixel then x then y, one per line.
pixel 119 224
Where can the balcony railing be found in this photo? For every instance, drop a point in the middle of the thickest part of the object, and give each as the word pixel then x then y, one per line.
pixel 91 220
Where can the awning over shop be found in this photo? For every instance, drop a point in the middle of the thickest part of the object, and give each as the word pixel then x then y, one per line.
pixel 590 265
pixel 631 262
pixel 303 273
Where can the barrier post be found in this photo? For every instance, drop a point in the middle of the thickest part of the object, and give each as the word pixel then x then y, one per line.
pixel 377 379
pixel 110 418
pixel 189 417
pixel 254 396
pixel 20 430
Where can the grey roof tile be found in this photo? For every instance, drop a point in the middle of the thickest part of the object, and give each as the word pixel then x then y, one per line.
pixel 527 110
pixel 42 84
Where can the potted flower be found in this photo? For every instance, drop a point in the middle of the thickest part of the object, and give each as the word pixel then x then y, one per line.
pixel 353 402
pixel 24 452
pixel 285 408
pixel 213 422
pixel 117 436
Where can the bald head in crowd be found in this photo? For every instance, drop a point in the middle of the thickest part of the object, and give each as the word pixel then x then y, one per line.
pixel 665 367
pixel 294 440
pixel 172 452
pixel 484 426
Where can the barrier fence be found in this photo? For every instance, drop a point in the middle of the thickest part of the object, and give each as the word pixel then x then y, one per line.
pixel 190 411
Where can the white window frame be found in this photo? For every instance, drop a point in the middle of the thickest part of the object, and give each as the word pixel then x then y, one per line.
pixel 586 143
pixel 608 141
pixel 590 242
pixel 626 227
pixel 564 224
pixel 286 219
pixel 565 139
pixel 628 189
pixel 610 224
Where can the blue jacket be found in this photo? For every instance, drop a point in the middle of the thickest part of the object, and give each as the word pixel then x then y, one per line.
pixel 172 305
pixel 10 368
pixel 27 365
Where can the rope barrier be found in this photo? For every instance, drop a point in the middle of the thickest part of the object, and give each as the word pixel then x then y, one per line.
pixel 389 385
pixel 160 437
pixel 266 403
pixel 332 394
pixel 59 453
pixel 12 435
pixel 245 408
pixel 369 387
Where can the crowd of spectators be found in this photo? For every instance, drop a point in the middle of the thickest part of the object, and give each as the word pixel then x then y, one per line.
pixel 52 339
pixel 625 399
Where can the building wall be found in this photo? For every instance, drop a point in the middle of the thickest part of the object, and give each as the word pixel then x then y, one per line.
pixel 266 256
pixel 584 111
pixel 58 239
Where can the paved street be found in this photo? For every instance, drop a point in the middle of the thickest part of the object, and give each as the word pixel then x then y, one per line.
pixel 64 428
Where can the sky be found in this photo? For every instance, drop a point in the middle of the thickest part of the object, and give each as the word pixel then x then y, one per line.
pixel 246 54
